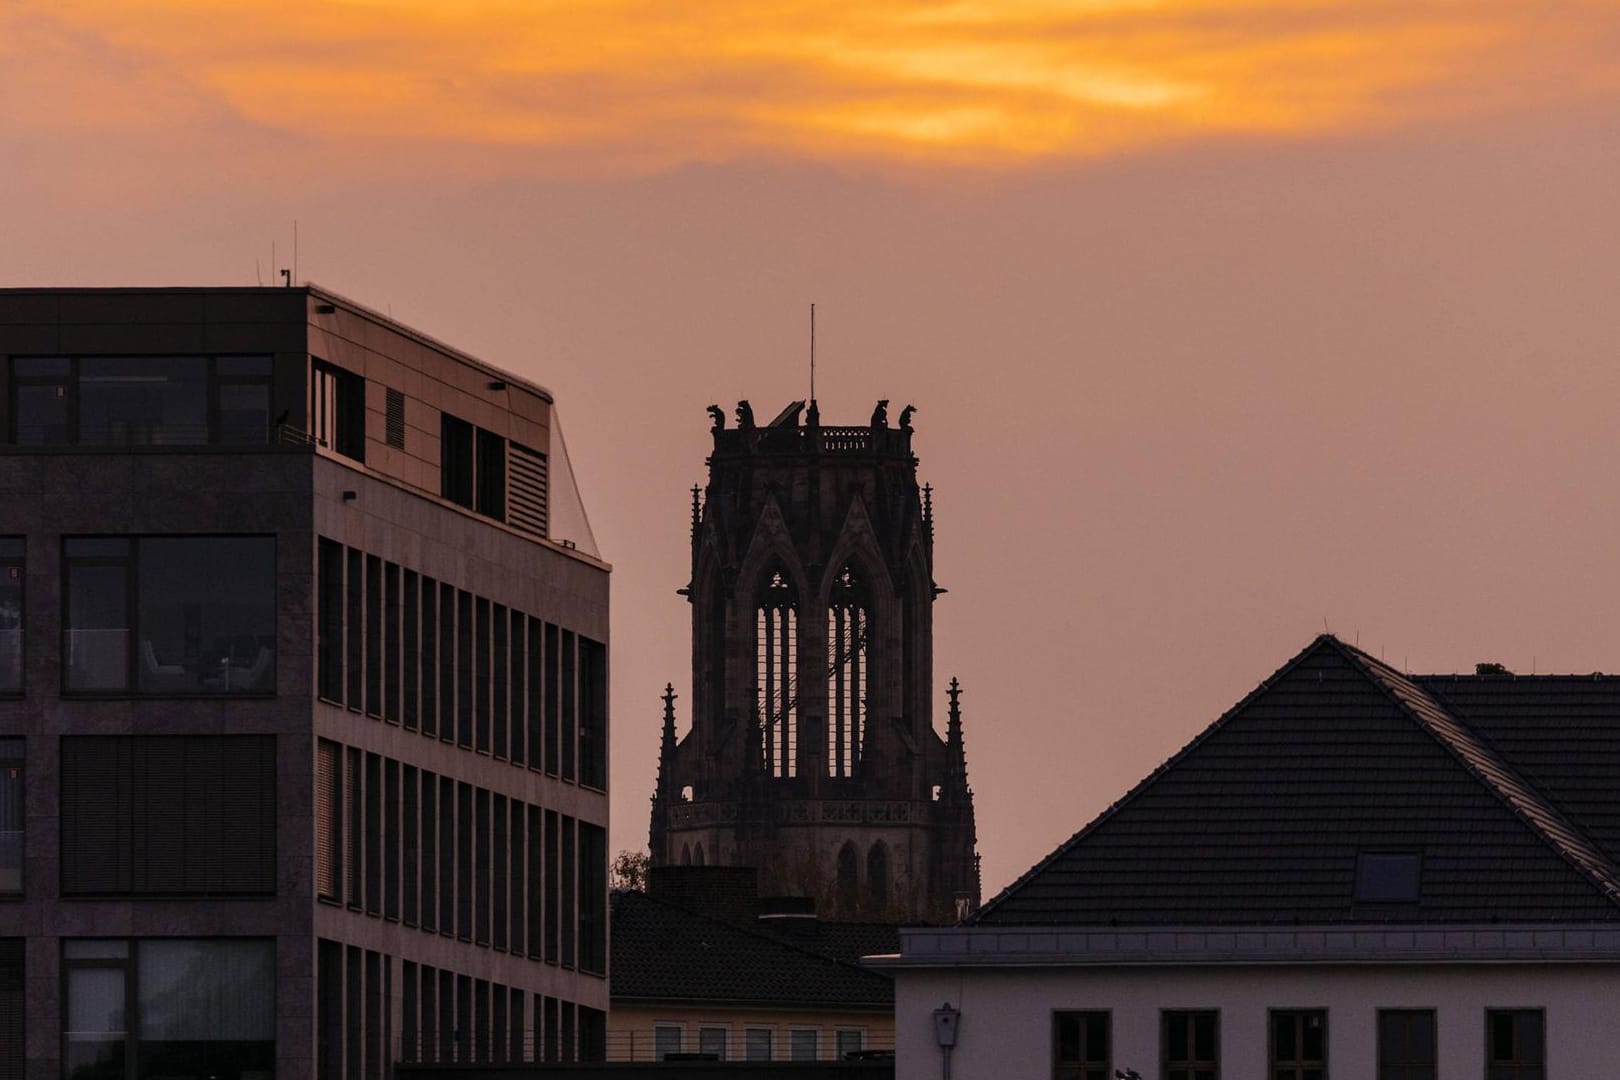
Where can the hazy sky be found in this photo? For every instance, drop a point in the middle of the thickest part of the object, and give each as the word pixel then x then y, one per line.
pixel 1225 321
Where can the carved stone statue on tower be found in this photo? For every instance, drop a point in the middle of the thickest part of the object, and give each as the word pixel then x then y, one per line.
pixel 811 753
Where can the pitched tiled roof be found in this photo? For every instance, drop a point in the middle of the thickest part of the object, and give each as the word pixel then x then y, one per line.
pixel 665 953
pixel 1261 818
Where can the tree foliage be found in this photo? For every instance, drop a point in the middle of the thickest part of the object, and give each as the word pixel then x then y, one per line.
pixel 629 870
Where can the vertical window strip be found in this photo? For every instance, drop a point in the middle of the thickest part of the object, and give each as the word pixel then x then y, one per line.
pixel 328 822
pixel 392 615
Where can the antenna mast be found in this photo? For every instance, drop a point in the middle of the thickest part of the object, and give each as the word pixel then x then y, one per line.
pixel 812 352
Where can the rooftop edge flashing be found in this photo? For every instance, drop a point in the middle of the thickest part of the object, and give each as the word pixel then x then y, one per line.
pixel 310 289
pixel 1082 946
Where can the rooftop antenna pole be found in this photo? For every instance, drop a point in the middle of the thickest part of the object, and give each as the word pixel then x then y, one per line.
pixel 812 352
pixel 295 251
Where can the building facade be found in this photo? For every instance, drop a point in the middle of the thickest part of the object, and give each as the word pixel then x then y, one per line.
pixel 1354 872
pixel 303 707
pixel 812 753
pixel 702 969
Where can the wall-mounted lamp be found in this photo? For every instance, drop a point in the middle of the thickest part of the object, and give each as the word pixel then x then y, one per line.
pixel 325 309
pixel 350 496
pixel 498 384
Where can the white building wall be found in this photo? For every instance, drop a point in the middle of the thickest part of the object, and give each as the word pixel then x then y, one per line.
pixel 1005 1030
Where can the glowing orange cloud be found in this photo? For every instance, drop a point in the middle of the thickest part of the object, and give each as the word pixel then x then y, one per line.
pixel 988 82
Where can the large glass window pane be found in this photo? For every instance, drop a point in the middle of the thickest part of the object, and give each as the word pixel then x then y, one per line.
pixel 207 614
pixel 12 809
pixel 222 990
pixel 95 1043
pixel 757 1044
pixel 11 616
pixel 207 1008
pixel 42 413
pixel 129 401
pixel 97 626
pixel 244 413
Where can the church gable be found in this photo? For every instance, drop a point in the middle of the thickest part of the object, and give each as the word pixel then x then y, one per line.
pixel 1324 797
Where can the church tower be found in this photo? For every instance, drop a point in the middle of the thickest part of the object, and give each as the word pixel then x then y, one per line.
pixel 812 753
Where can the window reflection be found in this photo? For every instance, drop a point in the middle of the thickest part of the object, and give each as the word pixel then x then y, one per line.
pixel 140 400
pixel 204 622
pixel 143 401
pixel 206 1008
pixel 12 809
pixel 11 615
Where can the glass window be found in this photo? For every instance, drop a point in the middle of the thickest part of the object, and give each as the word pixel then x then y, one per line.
pixel 1080 1046
pixel 183 815
pixel 757 1044
pixel 328 821
pixel 851 1041
pixel 472 467
pixel 204 622
pixel 1191 1045
pixel 98 614
pixel 12 578
pixel 491 475
pixel 802 1044
pixel 1406 1044
pixel 42 389
pixel 1298 1044
pixel 1388 877
pixel 14 1007
pixel 143 401
pixel 1514 1044
pixel 592 713
pixel 13 808
pixel 337 409
pixel 667 1039
pixel 205 1008
pixel 713 1040
pixel 456 460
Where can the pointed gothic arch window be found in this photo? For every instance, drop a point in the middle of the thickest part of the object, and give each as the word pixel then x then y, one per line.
pixel 848 878
pixel 686 854
pixel 877 878
pixel 848 628
pixel 776 649
pixel 697 855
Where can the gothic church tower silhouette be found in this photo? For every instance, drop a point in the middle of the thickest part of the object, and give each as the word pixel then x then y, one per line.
pixel 812 753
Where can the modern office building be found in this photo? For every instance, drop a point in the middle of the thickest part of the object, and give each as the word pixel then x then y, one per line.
pixel 303 697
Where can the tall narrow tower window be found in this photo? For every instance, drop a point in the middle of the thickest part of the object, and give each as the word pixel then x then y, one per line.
pixel 776 650
pixel 848 627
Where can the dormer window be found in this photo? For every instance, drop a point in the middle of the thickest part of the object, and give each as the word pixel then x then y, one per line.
pixel 1386 877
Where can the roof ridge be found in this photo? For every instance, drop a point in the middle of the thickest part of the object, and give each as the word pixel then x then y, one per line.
pixel 1482 762
pixel 760 935
pixel 1118 804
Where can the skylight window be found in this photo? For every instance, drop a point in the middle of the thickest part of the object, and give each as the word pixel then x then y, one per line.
pixel 1388 877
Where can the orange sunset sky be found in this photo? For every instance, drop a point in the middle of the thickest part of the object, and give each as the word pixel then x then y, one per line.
pixel 1225 321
